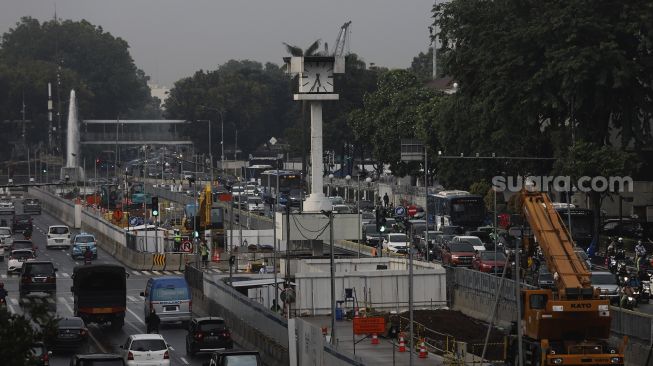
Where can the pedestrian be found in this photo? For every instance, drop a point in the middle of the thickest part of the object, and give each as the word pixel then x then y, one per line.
pixel 263 269
pixel 640 253
pixel 373 251
pixel 204 251
pixel 386 199
pixel 275 307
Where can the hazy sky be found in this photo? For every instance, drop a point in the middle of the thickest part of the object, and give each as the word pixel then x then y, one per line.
pixel 171 39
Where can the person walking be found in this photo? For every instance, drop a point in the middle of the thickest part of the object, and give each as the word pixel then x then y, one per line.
pixel 386 199
pixel 204 252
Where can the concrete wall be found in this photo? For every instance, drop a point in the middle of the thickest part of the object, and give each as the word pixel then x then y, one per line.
pixel 385 290
pixel 58 207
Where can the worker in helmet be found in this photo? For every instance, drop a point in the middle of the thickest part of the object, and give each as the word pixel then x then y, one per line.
pixel 177 240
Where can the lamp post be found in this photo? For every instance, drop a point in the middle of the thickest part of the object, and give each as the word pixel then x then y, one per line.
pixel 330 214
pixel 330 183
pixel 347 179
pixel 358 211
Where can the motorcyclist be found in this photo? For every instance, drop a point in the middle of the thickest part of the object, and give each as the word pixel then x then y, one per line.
pixel 88 255
pixel 642 275
pixel 3 293
pixel 640 253
pixel 629 289
pixel 27 233
pixel 153 321
pixel 612 248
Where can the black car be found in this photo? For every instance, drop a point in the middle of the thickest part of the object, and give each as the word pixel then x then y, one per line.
pixel 71 335
pixel 32 205
pixel 23 244
pixel 207 334
pixel 241 358
pixel 38 355
pixel 97 359
pixel 625 227
pixel 21 223
pixel 37 276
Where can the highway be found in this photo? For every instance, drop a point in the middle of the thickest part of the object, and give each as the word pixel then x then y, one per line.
pixel 102 338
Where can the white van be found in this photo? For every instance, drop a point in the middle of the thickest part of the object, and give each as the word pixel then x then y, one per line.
pixel 58 237
pixel 170 298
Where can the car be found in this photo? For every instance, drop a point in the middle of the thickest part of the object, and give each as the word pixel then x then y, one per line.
pixel 38 355
pixel 606 282
pixel 32 205
pixel 81 242
pixel 207 334
pixel 7 207
pixel 341 209
pixel 37 276
pixel 625 227
pixel 21 223
pixel 545 278
pixel 23 244
pixel 97 359
pixel 146 349
pixel 475 241
pixel 366 206
pixel 72 334
pixel 458 254
pixel 432 242
pixel 170 297
pixel 584 257
pixel 17 258
pixel 240 358
pixel 255 204
pixel 371 235
pixel 485 237
pixel 6 236
pixel 58 237
pixel 490 262
pixel 396 243
pixel 237 190
pixel 367 217
pixel 251 189
pixel 336 200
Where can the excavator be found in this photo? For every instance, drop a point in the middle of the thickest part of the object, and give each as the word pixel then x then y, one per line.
pixel 568 324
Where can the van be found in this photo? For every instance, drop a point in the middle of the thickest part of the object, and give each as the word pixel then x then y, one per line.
pixel 58 236
pixel 170 298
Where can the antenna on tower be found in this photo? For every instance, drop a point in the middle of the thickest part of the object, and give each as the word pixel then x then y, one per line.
pixel 55 12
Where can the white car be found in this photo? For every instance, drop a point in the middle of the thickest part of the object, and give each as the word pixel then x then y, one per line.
pixel 146 350
pixel 255 204
pixel 58 236
pixel 251 189
pixel 7 207
pixel 475 241
pixel 396 243
pixel 17 258
pixel 6 238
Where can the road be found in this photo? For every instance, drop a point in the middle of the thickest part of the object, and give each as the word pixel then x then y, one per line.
pixel 102 338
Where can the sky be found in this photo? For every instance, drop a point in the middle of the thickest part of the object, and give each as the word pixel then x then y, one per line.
pixel 171 39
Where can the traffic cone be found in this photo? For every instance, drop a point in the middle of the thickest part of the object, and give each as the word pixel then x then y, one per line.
pixel 375 339
pixel 402 343
pixel 216 256
pixel 423 353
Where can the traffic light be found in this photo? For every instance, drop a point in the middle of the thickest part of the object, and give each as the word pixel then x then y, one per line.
pixel 380 220
pixel 382 224
pixel 155 206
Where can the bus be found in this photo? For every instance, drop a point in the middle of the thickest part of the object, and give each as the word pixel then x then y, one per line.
pixel 289 181
pixel 456 208
pixel 582 222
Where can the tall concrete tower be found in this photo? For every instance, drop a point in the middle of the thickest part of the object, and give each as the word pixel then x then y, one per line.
pixel 72 172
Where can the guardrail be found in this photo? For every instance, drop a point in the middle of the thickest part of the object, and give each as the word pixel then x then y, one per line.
pixel 633 324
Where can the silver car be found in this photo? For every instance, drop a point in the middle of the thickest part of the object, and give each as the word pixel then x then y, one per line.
pixel 7 207
pixel 607 283
pixel 6 238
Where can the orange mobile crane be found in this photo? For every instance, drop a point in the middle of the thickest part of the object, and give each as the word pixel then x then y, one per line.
pixel 569 324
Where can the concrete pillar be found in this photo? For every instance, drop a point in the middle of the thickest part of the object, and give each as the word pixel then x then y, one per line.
pixel 316 201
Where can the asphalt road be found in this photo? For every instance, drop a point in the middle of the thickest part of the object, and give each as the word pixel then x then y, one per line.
pixel 102 338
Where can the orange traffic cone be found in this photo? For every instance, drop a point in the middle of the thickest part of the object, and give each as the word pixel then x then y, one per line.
pixel 423 353
pixel 375 339
pixel 402 343
pixel 216 256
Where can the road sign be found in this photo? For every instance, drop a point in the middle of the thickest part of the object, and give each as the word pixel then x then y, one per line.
pixel 412 210
pixel 187 246
pixel 369 325
pixel 400 211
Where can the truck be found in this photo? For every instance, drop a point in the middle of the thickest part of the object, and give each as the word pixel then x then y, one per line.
pixel 100 293
pixel 568 324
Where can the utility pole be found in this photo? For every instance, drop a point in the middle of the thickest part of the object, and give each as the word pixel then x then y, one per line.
pixel 426 197
pixel 333 280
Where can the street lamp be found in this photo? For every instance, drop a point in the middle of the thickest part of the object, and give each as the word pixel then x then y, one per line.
pixel 330 214
pixel 330 183
pixel 347 179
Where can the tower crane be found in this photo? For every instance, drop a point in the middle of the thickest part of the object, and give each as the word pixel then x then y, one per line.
pixel 342 42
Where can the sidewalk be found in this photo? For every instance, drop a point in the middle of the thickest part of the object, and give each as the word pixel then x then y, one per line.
pixel 375 355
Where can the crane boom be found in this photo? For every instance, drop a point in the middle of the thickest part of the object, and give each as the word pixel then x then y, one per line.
pixel 342 40
pixel 556 243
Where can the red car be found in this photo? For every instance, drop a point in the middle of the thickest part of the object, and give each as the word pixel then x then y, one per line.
pixel 458 254
pixel 490 262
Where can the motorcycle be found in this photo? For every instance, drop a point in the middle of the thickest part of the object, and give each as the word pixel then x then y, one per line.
pixel 612 264
pixel 645 294
pixel 630 303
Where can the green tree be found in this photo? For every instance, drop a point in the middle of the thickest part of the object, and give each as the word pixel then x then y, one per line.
pixel 19 332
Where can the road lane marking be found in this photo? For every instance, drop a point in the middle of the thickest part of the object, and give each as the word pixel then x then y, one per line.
pixel 183 360
pixel 133 298
pixel 97 343
pixel 14 301
pixel 66 274
pixel 156 273
pixel 3 276
pixel 146 273
pixel 136 316
pixel 11 309
pixel 135 272
pixel 69 308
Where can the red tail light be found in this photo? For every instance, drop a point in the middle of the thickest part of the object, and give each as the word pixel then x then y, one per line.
pixel 199 335
pixel 226 334
pixel 82 332
pixel 130 356
pixel 46 359
pixel 52 279
pixel 166 356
